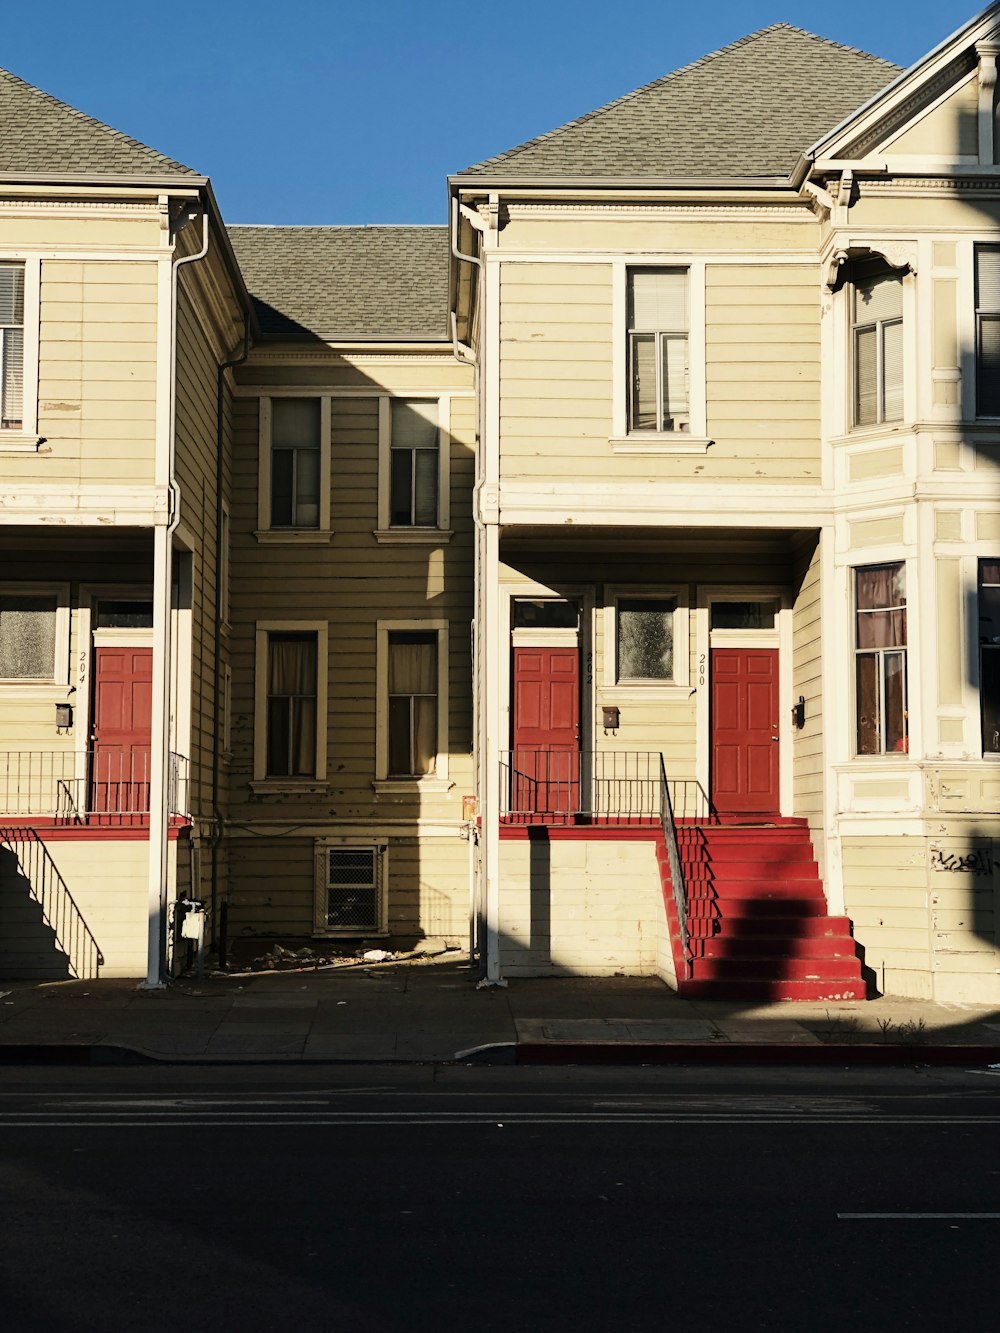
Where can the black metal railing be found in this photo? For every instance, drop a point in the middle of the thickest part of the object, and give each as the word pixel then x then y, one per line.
pixel 39 878
pixel 677 884
pixel 83 787
pixel 574 786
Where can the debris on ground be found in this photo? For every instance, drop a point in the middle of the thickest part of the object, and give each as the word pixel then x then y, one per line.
pixel 377 956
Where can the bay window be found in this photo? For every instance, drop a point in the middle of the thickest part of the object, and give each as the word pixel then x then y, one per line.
pixel 877 339
pixel 880 659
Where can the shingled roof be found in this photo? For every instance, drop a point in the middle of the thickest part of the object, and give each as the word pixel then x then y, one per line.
pixel 745 111
pixel 339 283
pixel 40 136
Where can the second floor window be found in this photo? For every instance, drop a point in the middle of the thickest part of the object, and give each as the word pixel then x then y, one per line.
pixel 989 654
pixel 415 464
pixel 295 462
pixel 11 346
pixel 880 659
pixel 988 331
pixel 291 705
pixel 658 326
pixel 877 333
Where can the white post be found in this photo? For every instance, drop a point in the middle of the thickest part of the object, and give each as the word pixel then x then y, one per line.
pixel 492 647
pixel 159 756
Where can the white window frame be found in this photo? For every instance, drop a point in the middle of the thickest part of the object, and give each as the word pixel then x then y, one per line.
pixel 385 533
pixel 25 438
pixel 694 440
pixel 439 779
pixel 263 629
pixel 322 533
pixel 643 689
pixel 906 649
pixel 879 325
pixel 321 848
pixel 53 686
pixel 977 313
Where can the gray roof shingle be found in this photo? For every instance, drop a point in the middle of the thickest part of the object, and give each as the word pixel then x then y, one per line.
pixel 346 282
pixel 745 111
pixel 40 135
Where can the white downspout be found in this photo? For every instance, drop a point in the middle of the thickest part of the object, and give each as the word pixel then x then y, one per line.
pixel 159 755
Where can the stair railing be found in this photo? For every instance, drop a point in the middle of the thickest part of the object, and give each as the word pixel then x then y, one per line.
pixel 50 891
pixel 669 827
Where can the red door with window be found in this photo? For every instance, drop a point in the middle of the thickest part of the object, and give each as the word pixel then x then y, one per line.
pixel 745 731
pixel 122 730
pixel 545 764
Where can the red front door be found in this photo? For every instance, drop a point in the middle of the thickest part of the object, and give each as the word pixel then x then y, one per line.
pixel 123 693
pixel 545 768
pixel 745 731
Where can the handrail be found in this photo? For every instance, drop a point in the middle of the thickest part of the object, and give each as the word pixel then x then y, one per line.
pixel 77 787
pixel 674 861
pixel 51 892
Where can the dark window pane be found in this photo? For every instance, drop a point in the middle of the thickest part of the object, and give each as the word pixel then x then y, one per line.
pixel 643 414
pixel 278 732
pixel 988 367
pixel 895 703
pixel 645 638
pixel 867 703
pixel 544 614
pixel 116 614
pixel 989 687
pixel 401 488
pixel 307 488
pixel 282 484
pixel 295 423
pixel 743 615
pixel 425 504
pixel 400 750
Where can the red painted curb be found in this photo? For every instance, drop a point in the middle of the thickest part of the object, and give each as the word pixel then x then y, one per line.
pixel 737 1053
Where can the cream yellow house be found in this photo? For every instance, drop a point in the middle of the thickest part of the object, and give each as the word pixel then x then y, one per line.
pixel 612 574
pixel 738 511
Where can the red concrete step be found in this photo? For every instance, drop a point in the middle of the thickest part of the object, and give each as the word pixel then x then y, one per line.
pixel 778 968
pixel 773 990
pixel 750 890
pixel 742 909
pixel 798 928
pixel 722 945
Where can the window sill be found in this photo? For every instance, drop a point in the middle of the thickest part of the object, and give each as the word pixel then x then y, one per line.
pixel 34 689
pixel 17 442
pixel 289 787
pixel 662 442
pixel 294 536
pixel 862 434
pixel 638 692
pixel 407 786
pixel 413 536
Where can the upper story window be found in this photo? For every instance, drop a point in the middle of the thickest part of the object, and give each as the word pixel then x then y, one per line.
pixel 989 654
pixel 877 338
pixel 658 360
pixel 295 462
pixel 415 464
pixel 11 346
pixel 987 331
pixel 880 659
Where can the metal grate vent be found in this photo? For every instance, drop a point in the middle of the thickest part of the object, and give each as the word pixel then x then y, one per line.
pixel 354 888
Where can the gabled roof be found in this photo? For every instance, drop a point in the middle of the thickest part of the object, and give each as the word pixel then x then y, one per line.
pixel 342 283
pixel 743 112
pixel 40 136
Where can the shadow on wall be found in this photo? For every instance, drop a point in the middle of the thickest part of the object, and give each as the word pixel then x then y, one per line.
pixel 43 936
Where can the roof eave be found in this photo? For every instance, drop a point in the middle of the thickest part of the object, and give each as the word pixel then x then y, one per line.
pixel 502 182
pixel 153 181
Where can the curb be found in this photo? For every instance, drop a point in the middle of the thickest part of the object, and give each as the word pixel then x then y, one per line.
pixel 745 1053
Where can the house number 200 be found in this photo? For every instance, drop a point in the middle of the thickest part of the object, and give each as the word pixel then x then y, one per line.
pixel 701 669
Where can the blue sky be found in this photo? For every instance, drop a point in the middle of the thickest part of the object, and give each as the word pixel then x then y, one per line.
pixel 334 111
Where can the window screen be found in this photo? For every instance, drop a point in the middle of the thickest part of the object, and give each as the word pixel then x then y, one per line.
pixel 28 636
pixel 646 638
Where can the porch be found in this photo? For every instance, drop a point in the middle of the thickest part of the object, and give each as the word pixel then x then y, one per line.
pixel 98 788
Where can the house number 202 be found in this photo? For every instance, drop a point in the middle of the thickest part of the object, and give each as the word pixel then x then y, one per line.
pixel 701 669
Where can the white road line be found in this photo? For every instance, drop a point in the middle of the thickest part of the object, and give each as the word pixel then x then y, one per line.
pixel 906 1217
pixel 26 1120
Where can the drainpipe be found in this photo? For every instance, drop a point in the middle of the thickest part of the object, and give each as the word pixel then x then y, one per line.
pixel 159 788
pixel 217 667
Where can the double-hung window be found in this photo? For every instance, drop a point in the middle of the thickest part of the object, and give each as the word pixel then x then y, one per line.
pixel 11 346
pixel 877 337
pixel 880 659
pixel 988 331
pixel 412 703
pixel 291 705
pixel 658 361
pixel 295 462
pixel 989 654
pixel 414 453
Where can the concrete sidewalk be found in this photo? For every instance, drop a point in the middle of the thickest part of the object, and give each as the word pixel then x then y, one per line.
pixel 432 1011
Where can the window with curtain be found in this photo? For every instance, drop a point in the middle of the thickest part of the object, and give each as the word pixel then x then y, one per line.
pixel 28 635
pixel 291 705
pixel 880 659
pixel 658 327
pixel 645 639
pixel 11 346
pixel 295 462
pixel 989 654
pixel 413 703
pixel 988 331
pixel 877 333
pixel 415 464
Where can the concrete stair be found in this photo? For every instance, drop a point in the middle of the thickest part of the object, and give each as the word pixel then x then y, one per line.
pixel 757 916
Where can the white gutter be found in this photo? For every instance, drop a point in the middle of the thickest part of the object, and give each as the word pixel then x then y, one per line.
pixel 159 758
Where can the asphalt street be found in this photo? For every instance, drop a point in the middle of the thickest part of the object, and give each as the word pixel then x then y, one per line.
pixel 420 1198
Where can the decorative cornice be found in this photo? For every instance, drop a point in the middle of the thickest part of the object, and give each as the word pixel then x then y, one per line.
pixel 963 66
pixel 795 208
